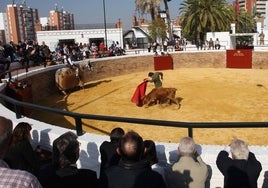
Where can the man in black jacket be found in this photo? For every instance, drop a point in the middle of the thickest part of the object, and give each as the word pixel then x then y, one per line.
pixel 109 156
pixel 132 171
pixel 242 170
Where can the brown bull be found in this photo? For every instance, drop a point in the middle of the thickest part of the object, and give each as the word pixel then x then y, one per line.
pixel 159 95
pixel 68 78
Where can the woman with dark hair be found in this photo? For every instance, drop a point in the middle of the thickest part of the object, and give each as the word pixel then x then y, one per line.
pixel 150 152
pixel 150 155
pixel 21 154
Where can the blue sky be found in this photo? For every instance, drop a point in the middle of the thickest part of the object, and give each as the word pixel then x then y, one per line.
pixel 91 11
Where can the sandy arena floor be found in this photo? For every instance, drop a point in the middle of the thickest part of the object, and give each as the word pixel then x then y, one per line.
pixel 207 95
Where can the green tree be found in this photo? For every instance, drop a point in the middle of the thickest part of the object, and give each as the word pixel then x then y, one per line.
pixel 201 16
pixel 157 29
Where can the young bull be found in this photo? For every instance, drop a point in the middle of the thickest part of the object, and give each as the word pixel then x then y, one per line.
pixel 160 94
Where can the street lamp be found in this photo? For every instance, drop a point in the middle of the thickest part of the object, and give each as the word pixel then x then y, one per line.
pixel 105 28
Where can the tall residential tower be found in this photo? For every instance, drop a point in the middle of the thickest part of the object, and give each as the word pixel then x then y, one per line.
pixel 61 20
pixel 21 21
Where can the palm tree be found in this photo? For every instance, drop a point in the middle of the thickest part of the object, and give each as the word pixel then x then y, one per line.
pixel 153 7
pixel 148 6
pixel 201 16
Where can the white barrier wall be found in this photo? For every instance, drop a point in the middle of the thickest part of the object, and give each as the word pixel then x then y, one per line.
pixel 44 134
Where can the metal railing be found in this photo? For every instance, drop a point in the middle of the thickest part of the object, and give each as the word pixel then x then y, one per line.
pixel 18 105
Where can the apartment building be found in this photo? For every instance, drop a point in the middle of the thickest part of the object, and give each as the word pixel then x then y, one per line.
pixel 253 6
pixel 248 5
pixel 21 21
pixel 61 20
pixel 261 7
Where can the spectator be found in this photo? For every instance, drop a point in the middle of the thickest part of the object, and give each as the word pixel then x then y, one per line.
pixel 45 53
pixel 156 78
pixel 262 35
pixel 134 45
pixel 190 171
pixel 10 51
pixel 240 170
pixel 21 53
pixel 165 45
pixel 211 44
pixel 109 156
pixel 199 44
pixel 20 154
pixel 217 44
pixel 63 171
pixel 132 171
pixel 3 57
pixel 177 47
pixel 206 45
pixel 10 177
pixel 154 45
pixel 85 51
pixel 149 46
pixel 150 155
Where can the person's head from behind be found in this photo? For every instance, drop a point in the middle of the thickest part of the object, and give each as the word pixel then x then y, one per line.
pixel 65 150
pixel 6 127
pixel 239 149
pixel 150 74
pixel 21 132
pixel 116 134
pixel 186 146
pixel 131 147
pixel 150 153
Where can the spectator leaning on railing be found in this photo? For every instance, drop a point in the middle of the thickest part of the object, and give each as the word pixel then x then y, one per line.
pixel 240 170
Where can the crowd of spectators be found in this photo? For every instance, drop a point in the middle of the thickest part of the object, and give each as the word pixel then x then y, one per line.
pixel 32 53
pixel 208 44
pixel 126 161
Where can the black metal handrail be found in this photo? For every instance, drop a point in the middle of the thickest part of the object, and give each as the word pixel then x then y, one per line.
pixel 18 105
